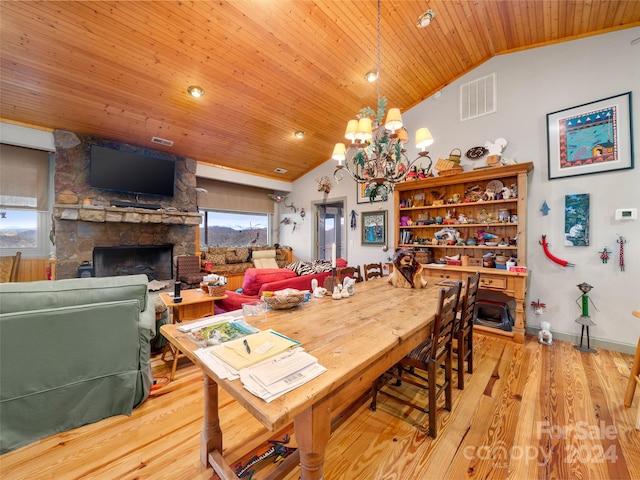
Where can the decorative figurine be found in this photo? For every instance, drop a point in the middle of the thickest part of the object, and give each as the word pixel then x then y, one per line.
pixel 585 319
pixel 407 271
pixel 544 209
pixel 278 452
pixel 604 255
pixel 544 335
pixel 621 241
pixel 337 292
pixel 348 285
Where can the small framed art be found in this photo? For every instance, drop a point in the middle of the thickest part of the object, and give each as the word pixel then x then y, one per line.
pixel 374 228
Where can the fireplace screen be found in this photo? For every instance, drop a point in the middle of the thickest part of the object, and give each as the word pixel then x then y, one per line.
pixel 155 261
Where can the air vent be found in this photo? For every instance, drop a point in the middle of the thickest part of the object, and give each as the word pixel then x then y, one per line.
pixel 280 170
pixel 162 141
pixel 478 98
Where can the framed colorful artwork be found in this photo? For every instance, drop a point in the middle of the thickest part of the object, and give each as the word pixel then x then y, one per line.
pixel 374 228
pixel 576 220
pixel 362 194
pixel 592 138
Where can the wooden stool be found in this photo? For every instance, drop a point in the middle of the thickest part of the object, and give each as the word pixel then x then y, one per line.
pixel 633 378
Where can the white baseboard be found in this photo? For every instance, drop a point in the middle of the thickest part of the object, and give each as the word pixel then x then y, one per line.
pixel 594 342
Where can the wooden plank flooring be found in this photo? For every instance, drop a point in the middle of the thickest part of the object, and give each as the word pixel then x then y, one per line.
pixel 527 412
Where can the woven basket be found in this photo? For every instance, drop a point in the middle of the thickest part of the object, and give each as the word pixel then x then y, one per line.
pixel 455 155
pixel 443 164
pixel 216 290
pixel 281 302
pixel 450 171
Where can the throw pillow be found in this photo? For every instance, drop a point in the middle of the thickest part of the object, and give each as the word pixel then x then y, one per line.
pixel 257 254
pixel 302 268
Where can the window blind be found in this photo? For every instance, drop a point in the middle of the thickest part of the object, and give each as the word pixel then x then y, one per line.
pixel 24 178
pixel 233 197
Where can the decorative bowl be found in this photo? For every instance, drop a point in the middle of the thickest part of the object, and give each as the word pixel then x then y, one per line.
pixel 281 302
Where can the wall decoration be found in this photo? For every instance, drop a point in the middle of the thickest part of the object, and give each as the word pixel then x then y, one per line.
pixel 374 228
pixel 576 220
pixel 364 193
pixel 621 241
pixel 551 256
pixel 590 138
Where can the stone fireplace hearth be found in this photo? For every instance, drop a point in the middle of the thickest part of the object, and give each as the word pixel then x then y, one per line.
pixel 85 220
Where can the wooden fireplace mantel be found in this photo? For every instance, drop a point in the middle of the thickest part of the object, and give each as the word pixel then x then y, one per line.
pixel 99 214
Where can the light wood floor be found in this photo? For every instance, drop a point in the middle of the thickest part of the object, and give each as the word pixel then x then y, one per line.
pixel 528 411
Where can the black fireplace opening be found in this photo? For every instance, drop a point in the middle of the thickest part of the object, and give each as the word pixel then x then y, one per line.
pixel 155 261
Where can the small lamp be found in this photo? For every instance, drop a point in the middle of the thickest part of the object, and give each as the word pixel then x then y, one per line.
pixel 394 120
pixel 423 138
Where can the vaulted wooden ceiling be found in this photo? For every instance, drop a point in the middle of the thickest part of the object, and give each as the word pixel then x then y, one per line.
pixel 121 69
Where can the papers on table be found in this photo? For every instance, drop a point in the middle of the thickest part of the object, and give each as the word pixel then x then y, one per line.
pixel 274 366
pixel 281 374
pixel 244 352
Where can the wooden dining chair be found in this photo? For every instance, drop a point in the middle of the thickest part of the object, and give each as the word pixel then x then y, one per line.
pixel 372 270
pixel 426 357
pixel 9 267
pixel 463 334
pixel 353 272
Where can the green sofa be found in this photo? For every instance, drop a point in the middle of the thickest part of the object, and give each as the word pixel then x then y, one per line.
pixel 72 352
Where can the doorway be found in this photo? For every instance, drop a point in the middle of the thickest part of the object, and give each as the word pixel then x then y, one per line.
pixel 330 228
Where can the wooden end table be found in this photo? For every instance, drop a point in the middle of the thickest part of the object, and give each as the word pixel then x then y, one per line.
pixel 195 304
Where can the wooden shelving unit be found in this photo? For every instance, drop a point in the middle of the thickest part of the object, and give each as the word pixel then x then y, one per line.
pixel 506 218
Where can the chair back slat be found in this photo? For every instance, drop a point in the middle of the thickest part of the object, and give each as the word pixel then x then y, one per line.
pixel 372 270
pixel 9 268
pixel 445 321
pixel 468 304
pixel 353 272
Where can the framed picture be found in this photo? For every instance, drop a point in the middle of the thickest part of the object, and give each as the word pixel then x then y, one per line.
pixel 374 228
pixel 362 194
pixel 591 138
pixel 576 220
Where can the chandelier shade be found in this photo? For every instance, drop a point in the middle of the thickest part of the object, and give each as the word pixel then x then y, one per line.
pixel 376 156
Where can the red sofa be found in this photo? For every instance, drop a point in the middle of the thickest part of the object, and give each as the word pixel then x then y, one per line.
pixel 258 280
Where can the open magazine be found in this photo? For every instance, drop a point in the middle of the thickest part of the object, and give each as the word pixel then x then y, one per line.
pixel 220 332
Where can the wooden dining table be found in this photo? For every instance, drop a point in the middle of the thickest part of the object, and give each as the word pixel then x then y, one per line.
pixel 356 338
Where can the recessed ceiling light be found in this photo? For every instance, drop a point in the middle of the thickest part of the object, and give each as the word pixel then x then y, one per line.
pixel 195 91
pixel 280 170
pixel 299 134
pixel 425 19
pixel 371 76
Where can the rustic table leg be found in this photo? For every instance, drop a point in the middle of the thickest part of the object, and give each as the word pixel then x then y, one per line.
pixel 211 436
pixel 313 430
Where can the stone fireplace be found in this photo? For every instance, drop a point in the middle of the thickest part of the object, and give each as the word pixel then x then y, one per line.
pixel 85 220
pixel 154 261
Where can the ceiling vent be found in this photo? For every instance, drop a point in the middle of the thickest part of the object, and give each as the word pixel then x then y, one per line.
pixel 478 98
pixel 280 170
pixel 162 141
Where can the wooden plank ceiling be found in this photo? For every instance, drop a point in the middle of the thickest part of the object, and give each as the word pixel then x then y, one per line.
pixel 120 70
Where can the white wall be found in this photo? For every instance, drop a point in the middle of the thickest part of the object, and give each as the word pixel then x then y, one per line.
pixel 531 84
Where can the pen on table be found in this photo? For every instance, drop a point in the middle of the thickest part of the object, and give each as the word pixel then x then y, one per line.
pixel 246 344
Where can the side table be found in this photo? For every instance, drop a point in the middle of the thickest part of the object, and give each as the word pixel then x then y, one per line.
pixel 195 304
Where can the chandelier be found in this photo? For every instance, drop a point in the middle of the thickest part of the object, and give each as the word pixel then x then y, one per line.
pixel 375 156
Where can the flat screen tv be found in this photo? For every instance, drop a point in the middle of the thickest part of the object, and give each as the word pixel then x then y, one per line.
pixel 131 172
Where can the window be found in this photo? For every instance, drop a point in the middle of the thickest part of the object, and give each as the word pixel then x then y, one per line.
pixel 234 215
pixel 24 201
pixel 235 229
